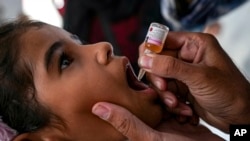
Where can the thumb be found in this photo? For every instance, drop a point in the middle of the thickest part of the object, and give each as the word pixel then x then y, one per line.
pixel 168 67
pixel 125 122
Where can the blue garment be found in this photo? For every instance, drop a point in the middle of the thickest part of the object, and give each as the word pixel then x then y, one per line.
pixel 181 15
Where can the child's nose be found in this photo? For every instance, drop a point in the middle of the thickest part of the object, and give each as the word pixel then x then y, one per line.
pixel 104 52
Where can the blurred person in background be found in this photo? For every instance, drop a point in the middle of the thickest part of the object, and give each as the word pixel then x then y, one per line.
pixel 196 15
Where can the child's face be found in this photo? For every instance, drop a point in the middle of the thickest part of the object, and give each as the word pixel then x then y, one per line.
pixel 70 78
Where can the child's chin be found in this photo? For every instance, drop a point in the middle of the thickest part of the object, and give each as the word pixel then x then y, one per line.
pixel 155 119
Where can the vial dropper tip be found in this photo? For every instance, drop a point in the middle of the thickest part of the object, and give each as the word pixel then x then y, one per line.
pixel 141 74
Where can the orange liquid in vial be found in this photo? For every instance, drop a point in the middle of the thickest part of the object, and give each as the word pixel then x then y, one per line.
pixel 154 48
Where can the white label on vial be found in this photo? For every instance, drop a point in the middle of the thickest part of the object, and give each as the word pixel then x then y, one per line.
pixel 155 35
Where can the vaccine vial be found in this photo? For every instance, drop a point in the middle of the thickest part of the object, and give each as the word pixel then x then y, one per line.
pixel 154 41
pixel 156 36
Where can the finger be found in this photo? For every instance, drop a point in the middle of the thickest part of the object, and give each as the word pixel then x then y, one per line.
pixel 179 89
pixel 169 89
pixel 173 53
pixel 125 122
pixel 190 46
pixel 182 119
pixel 169 99
pixel 176 40
pixel 195 119
pixel 160 85
pixel 168 67
pixel 181 109
pixel 157 82
pixel 185 45
pixel 141 49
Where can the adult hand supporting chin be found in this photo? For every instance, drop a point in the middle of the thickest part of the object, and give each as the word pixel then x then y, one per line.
pixel 135 130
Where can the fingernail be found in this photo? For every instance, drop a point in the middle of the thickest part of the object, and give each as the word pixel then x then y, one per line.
pixel 101 111
pixel 186 112
pixel 158 85
pixel 145 61
pixel 168 101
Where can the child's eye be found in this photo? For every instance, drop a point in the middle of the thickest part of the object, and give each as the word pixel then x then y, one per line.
pixel 64 61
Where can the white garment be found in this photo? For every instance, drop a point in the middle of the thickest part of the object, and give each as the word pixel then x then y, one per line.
pixel 235 37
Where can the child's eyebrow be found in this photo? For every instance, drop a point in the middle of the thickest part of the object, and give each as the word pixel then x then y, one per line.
pixel 50 53
pixel 75 37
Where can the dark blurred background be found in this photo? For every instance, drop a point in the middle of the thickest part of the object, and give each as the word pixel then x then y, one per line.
pixel 124 23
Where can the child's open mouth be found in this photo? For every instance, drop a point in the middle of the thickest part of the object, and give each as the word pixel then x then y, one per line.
pixel 132 80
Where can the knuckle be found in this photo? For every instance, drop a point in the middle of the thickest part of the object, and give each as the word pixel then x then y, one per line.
pixel 121 123
pixel 158 137
pixel 166 66
pixel 209 36
pixel 206 40
pixel 124 126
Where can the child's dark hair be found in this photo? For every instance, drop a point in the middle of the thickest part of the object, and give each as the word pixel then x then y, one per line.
pixel 19 107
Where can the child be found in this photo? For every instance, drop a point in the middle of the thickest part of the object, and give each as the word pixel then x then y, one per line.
pixel 50 81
